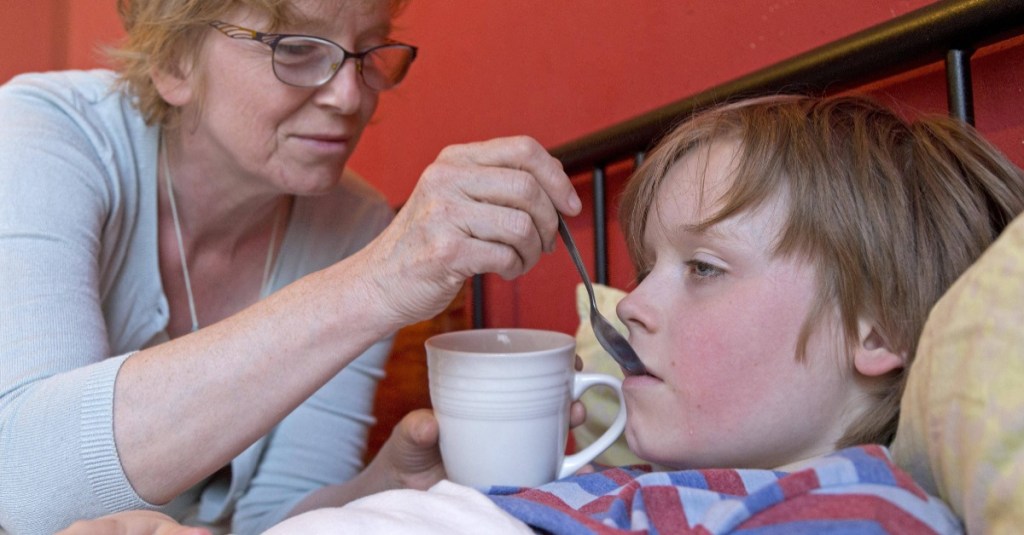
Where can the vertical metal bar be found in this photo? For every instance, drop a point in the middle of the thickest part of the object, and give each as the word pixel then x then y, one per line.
pixel 478 301
pixel 600 228
pixel 959 91
pixel 638 159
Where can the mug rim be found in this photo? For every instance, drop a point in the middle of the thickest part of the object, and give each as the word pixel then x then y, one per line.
pixel 443 341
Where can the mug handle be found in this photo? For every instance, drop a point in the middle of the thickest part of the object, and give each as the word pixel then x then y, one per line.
pixel 581 383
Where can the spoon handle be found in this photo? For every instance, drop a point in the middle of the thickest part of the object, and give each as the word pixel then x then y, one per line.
pixel 574 253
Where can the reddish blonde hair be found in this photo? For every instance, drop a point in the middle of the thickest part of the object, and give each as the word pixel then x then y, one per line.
pixel 891 212
pixel 164 34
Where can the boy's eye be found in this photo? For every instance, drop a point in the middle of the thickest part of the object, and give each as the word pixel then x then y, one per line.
pixel 703 270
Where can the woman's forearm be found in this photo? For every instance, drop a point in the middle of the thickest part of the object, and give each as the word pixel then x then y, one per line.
pixel 185 408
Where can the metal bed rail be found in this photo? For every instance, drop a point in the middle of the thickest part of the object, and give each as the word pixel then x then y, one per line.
pixel 948 31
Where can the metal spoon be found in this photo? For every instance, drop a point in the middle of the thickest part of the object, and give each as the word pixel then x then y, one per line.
pixel 610 339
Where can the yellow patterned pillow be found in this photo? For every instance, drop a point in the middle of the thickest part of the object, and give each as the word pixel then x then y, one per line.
pixel 961 431
pixel 600 402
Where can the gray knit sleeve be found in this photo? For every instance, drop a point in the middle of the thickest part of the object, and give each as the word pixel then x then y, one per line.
pixel 57 456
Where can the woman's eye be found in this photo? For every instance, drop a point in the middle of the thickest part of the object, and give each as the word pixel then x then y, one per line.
pixel 296 50
pixel 703 270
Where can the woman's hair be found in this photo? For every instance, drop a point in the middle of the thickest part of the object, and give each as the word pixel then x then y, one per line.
pixel 165 34
pixel 890 211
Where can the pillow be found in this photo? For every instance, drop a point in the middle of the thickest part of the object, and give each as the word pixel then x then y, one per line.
pixel 961 429
pixel 601 403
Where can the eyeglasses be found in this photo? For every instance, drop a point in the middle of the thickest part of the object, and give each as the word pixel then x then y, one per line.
pixel 307 61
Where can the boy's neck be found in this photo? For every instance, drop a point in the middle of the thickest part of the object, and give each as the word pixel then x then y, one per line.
pixel 796 466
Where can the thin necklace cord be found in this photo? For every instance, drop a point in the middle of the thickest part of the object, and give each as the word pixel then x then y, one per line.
pixel 267 266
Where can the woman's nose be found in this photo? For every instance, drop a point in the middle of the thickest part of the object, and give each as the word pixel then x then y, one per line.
pixel 345 90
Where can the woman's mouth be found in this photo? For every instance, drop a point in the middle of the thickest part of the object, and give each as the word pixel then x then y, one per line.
pixel 327 143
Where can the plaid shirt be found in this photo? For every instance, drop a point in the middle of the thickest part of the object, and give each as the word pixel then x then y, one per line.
pixel 856 490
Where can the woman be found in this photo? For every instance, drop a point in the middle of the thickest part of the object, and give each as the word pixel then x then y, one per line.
pixel 196 299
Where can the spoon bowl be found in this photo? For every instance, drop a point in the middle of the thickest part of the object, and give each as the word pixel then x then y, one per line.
pixel 610 339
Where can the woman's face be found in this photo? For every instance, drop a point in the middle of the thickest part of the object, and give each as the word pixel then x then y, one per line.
pixel 292 139
pixel 716 321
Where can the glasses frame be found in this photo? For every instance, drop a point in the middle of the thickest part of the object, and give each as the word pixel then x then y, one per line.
pixel 273 39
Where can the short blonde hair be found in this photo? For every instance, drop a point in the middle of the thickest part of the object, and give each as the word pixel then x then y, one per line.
pixel 163 34
pixel 891 212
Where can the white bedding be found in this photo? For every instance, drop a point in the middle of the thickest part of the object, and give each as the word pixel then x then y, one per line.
pixel 446 509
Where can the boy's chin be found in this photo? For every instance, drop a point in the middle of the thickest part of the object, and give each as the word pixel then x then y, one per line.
pixel 648 457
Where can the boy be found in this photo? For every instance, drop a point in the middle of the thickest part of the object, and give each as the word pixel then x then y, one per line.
pixel 788 250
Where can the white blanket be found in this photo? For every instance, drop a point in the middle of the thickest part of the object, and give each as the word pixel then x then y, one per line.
pixel 446 509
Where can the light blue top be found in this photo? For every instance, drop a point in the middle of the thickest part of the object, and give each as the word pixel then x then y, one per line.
pixel 80 291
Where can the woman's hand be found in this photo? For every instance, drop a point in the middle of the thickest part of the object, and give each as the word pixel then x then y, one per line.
pixel 488 207
pixel 411 458
pixel 132 523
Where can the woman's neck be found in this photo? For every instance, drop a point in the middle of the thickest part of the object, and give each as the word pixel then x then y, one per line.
pixel 216 208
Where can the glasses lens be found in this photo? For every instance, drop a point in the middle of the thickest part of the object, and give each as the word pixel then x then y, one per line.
pixel 385 66
pixel 305 61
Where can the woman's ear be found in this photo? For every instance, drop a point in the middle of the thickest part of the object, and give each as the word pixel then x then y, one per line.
pixel 874 355
pixel 173 84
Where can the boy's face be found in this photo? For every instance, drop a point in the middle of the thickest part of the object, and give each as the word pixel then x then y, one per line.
pixel 716 321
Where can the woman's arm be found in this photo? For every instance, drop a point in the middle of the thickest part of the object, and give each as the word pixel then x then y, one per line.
pixel 169 416
pixel 319 444
pixel 485 207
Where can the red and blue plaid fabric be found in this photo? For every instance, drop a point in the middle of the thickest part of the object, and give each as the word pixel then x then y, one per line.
pixel 856 490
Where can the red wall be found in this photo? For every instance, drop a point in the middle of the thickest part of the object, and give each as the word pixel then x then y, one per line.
pixel 557 70
pixel 30 37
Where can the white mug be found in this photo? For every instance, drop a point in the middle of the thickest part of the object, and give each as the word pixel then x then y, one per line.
pixel 501 398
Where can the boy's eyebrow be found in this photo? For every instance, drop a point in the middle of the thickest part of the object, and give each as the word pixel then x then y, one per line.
pixel 713 231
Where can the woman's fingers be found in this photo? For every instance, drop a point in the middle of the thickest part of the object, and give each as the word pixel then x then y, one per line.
pixel 516 242
pixel 521 208
pixel 488 207
pixel 412 451
pixel 577 414
pixel 524 154
pixel 513 173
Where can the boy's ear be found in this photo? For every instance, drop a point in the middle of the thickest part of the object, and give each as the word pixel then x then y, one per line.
pixel 873 355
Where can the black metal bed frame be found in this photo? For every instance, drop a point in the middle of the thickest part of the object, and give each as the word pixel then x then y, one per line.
pixel 949 31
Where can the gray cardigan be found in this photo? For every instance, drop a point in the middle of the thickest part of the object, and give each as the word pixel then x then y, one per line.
pixel 80 291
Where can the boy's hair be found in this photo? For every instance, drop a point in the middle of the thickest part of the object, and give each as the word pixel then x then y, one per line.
pixel 164 34
pixel 892 212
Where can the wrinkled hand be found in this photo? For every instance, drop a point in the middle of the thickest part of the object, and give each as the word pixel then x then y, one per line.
pixel 132 523
pixel 488 207
pixel 411 458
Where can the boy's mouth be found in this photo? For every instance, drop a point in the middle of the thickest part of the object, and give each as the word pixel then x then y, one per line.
pixel 646 373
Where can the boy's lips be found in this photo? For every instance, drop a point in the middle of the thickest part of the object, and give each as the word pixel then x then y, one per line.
pixel 630 382
pixel 648 373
